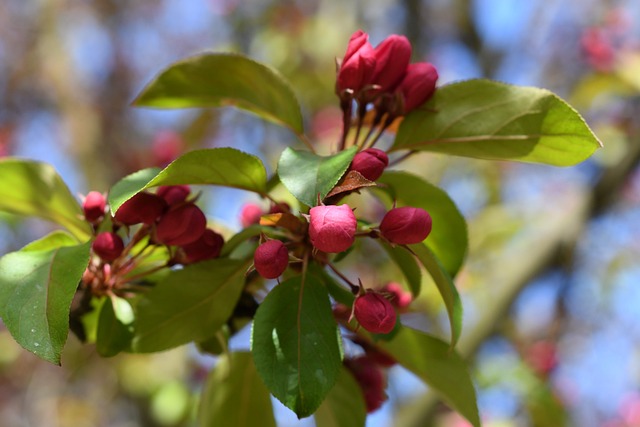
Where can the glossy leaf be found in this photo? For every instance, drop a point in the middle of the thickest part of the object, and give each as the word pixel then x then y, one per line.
pixel 306 174
pixel 344 405
pixel 446 287
pixel 296 344
pixel 491 120
pixel 189 304
pixel 448 238
pixel 36 289
pixel 224 79
pixel 124 189
pixel 114 331
pixel 407 264
pixel 440 368
pixel 235 396
pixel 35 189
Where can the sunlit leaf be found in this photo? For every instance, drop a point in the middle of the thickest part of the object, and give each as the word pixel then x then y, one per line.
pixel 37 285
pixel 491 120
pixel 224 79
pixel 296 344
pixel 307 175
pixel 114 331
pixel 35 189
pixel 235 396
pixel 124 189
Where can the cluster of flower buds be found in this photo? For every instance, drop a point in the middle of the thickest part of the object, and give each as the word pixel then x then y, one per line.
pixel 384 76
pixel 168 217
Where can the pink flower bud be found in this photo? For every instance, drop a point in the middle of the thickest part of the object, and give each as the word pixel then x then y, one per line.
pixel 271 259
pixel 141 208
pixel 418 85
pixel 392 59
pixel 332 228
pixel 166 147
pixel 208 246
pixel 358 63
pixel 398 296
pixel 181 226
pixel 93 206
pixel 250 214
pixel 375 313
pixel 108 246
pixel 371 379
pixel 406 225
pixel 174 194
pixel 370 163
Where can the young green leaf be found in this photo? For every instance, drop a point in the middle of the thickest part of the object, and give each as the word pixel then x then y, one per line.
pixel 114 331
pixel 344 405
pixel 407 264
pixel 189 304
pixel 448 238
pixel 35 189
pixel 446 287
pixel 36 289
pixel 306 174
pixel 296 344
pixel 441 369
pixel 213 166
pixel 490 120
pixel 225 79
pixel 235 396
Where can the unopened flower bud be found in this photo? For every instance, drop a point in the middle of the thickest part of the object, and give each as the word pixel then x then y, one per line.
pixel 141 208
pixel 418 85
pixel 332 228
pixel 93 206
pixel 166 147
pixel 181 226
pixel 371 379
pixel 271 259
pixel 358 64
pixel 174 194
pixel 375 313
pixel 250 214
pixel 208 246
pixel 108 246
pixel 392 59
pixel 406 225
pixel 370 163
pixel 398 296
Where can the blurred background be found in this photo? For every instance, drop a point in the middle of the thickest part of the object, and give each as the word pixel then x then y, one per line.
pixel 551 288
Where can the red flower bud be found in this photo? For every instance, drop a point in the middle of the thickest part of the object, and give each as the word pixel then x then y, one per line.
pixel 166 147
pixel 418 85
pixel 370 163
pixel 174 194
pixel 371 379
pixel 398 296
pixel 93 206
pixel 358 63
pixel 392 59
pixel 141 208
pixel 250 214
pixel 108 246
pixel 181 226
pixel 332 228
pixel 375 313
pixel 271 259
pixel 406 225
pixel 208 246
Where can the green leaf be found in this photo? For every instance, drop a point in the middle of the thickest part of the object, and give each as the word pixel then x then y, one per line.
pixel 344 405
pixel 306 174
pixel 440 368
pixel 35 189
pixel 124 189
pixel 225 79
pixel 296 344
pixel 407 264
pixel 188 305
pixel 445 286
pixel 114 334
pixel 36 289
pixel 448 238
pixel 235 396
pixel 53 240
pixel 490 120
pixel 213 166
